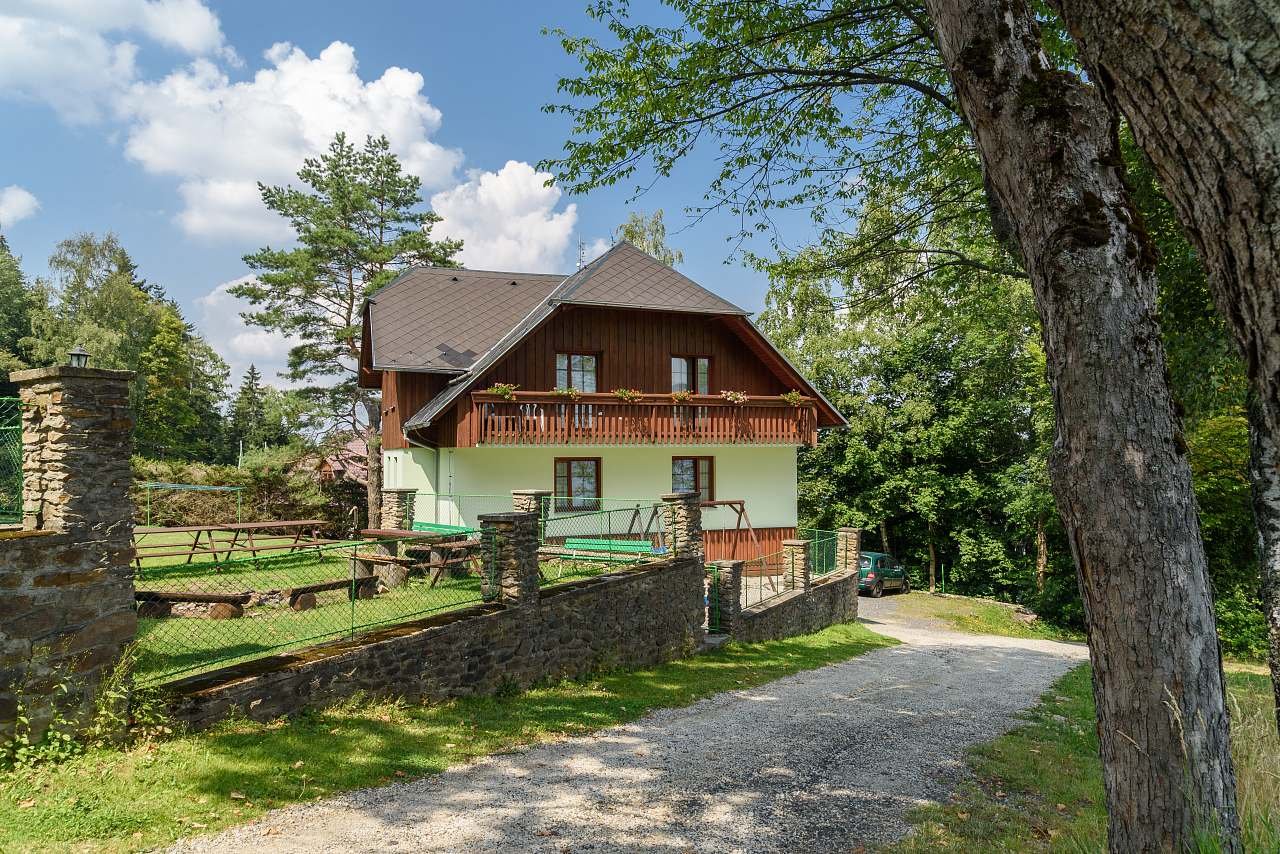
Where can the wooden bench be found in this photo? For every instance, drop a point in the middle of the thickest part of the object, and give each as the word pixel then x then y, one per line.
pixel 184 596
pixel 441 556
pixel 157 604
pixel 361 587
pixel 144 551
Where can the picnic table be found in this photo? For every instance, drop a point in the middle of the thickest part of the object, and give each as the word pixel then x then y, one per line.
pixel 206 542
pixel 439 546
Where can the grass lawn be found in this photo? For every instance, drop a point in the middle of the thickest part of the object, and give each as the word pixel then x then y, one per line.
pixel 980 616
pixel 148 795
pixel 1039 788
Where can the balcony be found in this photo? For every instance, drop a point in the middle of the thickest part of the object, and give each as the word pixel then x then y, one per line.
pixel 541 418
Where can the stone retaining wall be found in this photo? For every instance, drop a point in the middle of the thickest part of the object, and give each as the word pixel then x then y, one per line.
pixel 830 600
pixel 805 606
pixel 633 618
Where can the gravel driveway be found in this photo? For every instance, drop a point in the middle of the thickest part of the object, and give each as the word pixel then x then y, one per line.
pixel 816 762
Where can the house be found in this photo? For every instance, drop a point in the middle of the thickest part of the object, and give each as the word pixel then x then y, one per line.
pixel 345 463
pixel 494 381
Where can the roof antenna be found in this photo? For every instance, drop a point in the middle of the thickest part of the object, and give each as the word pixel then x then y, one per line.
pixel 582 253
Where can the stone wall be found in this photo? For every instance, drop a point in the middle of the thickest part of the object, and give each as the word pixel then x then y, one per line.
pixel 632 618
pixel 807 605
pixel 830 600
pixel 66 584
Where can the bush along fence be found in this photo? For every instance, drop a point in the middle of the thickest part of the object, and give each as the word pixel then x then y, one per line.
pixel 781 595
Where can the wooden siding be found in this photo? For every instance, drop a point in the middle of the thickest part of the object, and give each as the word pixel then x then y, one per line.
pixel 734 544
pixel 635 350
pixel 403 394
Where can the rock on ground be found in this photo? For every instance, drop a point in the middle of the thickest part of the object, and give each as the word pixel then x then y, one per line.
pixel 816 762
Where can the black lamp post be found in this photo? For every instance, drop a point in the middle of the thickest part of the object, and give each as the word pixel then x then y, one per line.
pixel 79 357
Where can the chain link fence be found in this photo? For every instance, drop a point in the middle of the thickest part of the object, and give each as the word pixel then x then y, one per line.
pixel 577 543
pixel 822 550
pixel 202 614
pixel 10 461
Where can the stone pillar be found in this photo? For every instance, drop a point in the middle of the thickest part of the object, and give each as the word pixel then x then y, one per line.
pixel 848 549
pixel 725 595
pixel 66 580
pixel 397 509
pixel 683 518
pixel 533 501
pixel 796 573
pixel 509 550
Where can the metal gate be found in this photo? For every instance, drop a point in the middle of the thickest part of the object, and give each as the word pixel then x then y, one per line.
pixel 10 461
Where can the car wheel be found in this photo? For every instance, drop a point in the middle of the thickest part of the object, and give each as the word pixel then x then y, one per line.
pixel 878 590
pixel 906 585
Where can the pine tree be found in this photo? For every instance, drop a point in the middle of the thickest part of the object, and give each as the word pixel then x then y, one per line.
pixel 358 224
pixel 248 414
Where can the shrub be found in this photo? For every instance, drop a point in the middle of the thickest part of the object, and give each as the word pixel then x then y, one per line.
pixel 277 483
pixel 1241 626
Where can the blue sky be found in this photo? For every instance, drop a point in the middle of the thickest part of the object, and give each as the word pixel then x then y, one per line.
pixel 152 118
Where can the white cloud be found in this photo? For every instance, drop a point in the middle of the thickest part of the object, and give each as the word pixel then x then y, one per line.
pixel 507 220
pixel 221 137
pixel 238 343
pixel 71 53
pixel 596 248
pixel 16 204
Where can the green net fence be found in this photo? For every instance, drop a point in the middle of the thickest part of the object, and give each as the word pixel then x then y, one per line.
pixel 10 461
pixel 580 538
pixel 204 614
pixel 822 550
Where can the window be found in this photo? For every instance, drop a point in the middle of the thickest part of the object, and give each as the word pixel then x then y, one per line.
pixel 576 370
pixel 691 373
pixel 693 474
pixel 577 484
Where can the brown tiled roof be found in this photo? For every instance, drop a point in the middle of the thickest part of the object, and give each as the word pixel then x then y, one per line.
pixel 444 319
pixel 625 276
pixel 464 321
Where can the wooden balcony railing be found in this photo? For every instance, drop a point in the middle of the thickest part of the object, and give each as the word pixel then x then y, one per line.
pixel 540 418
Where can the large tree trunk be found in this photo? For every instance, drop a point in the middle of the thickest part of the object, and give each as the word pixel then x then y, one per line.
pixel 1264 471
pixel 884 537
pixel 933 558
pixel 373 469
pixel 1199 83
pixel 1118 469
pixel 1042 555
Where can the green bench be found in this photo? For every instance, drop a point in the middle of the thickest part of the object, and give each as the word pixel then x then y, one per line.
pixel 441 528
pixel 587 544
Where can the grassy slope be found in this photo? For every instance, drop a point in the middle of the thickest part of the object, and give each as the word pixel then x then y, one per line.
pixel 151 794
pixel 979 616
pixel 1039 788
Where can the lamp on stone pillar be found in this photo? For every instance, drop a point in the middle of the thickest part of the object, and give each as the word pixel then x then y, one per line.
pixel 78 357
